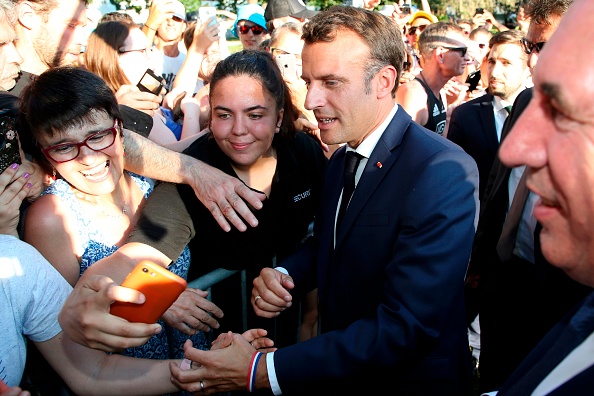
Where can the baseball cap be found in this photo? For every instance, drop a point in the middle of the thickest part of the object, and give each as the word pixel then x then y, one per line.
pixel 283 8
pixel 423 14
pixel 250 12
pixel 179 10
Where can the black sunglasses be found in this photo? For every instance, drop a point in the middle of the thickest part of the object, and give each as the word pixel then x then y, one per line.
pixel 530 47
pixel 413 29
pixel 461 50
pixel 256 29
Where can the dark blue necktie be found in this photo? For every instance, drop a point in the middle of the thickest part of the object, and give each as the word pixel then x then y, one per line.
pixel 351 163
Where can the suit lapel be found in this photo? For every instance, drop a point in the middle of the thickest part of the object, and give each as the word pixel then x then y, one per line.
pixel 380 162
pixel 487 117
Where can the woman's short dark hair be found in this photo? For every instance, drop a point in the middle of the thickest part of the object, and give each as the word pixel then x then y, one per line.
pixel 62 98
pixel 261 66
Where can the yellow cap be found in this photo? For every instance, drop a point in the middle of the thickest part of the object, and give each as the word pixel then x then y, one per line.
pixel 423 14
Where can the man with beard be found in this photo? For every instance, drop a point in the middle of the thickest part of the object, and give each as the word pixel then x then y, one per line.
pixel 476 125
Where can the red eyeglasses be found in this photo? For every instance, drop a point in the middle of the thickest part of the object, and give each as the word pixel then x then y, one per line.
pixel 256 29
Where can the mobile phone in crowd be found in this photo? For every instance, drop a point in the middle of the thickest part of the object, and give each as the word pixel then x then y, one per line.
pixel 9 142
pixel 405 9
pixel 479 11
pixel 286 64
pixel 160 286
pixel 150 82
pixel 204 13
pixel 473 79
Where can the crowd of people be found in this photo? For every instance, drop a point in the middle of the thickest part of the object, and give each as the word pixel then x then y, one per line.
pixel 408 195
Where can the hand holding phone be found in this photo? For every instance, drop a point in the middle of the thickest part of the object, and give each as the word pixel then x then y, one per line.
pixel 160 287
pixel 205 13
pixel 9 143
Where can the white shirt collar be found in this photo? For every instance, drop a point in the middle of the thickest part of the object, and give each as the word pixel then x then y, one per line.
pixel 366 147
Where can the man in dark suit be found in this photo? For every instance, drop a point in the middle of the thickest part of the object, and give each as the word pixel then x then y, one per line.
pixel 390 274
pixel 553 139
pixel 520 296
pixel 476 125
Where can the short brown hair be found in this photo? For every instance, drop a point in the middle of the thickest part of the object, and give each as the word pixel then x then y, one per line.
pixel 381 34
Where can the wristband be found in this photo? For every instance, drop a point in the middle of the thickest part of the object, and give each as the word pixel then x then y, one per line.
pixel 251 383
pixel 153 29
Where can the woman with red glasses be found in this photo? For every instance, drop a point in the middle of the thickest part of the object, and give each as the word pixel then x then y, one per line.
pixel 250 26
pixel 74 119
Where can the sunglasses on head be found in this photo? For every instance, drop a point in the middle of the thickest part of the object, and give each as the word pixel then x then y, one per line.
pixel 413 29
pixel 532 47
pixel 461 50
pixel 256 29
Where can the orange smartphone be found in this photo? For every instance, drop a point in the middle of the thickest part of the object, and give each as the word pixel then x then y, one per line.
pixel 160 286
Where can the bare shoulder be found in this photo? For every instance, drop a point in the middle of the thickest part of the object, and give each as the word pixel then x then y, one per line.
pixel 48 211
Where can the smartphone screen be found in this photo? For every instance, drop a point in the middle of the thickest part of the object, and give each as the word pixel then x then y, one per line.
pixel 150 82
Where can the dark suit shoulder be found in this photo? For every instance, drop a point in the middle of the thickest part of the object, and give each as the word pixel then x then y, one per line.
pixel 485 100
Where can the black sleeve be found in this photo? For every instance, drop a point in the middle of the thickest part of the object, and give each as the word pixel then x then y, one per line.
pixel 164 223
pixel 136 121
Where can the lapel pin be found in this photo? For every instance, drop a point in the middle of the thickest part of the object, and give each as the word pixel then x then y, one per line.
pixel 379 165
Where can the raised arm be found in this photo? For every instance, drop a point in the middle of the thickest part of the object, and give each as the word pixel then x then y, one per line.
pixel 223 195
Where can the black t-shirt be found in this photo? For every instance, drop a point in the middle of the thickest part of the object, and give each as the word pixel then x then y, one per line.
pixel 174 217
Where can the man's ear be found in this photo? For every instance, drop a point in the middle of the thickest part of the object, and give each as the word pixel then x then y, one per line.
pixel 387 78
pixel 26 15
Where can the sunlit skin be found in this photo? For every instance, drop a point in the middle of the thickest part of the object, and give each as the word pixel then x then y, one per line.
pixel 453 63
pixel 10 59
pixel 291 43
pixel 336 89
pixel 134 61
pixel 92 172
pixel 58 41
pixel 507 70
pixel 250 40
pixel 413 38
pixel 171 30
pixel 538 33
pixel 554 138
pixel 244 123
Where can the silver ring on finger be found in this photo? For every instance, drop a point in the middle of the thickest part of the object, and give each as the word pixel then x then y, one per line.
pixel 201 386
pixel 257 298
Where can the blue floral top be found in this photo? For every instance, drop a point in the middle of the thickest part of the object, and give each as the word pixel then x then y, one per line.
pixel 169 343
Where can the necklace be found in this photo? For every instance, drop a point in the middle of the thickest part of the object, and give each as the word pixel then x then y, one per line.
pixel 103 208
pixel 437 97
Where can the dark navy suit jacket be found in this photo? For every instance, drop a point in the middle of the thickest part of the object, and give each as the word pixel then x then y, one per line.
pixel 391 292
pixel 557 344
pixel 472 127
